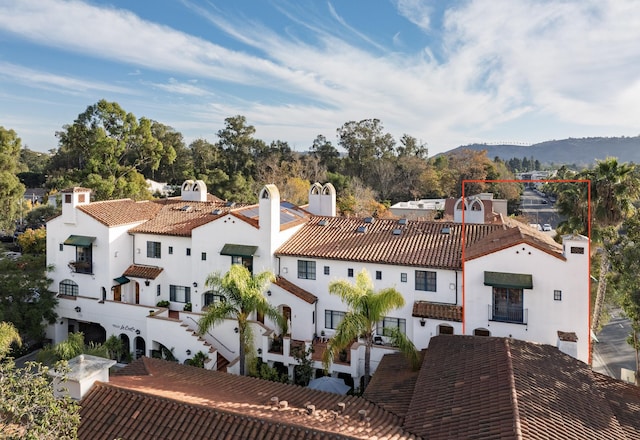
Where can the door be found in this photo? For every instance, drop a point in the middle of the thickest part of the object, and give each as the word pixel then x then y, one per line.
pixel 117 293
pixel 137 293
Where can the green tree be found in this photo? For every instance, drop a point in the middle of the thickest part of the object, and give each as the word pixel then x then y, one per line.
pixel 25 299
pixel 106 149
pixel 614 188
pixel 71 347
pixel 239 146
pixel 366 309
pixel 33 241
pixel 8 336
pixel 11 190
pixel 326 153
pixel 365 141
pixel 243 295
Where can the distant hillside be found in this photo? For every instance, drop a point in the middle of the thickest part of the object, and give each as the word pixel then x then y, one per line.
pixel 581 152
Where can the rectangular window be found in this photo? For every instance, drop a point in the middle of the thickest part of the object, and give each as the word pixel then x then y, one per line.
pixel 389 323
pixel 378 274
pixel 203 256
pixel 153 249
pixel 350 273
pixel 180 294
pixel 158 291
pixel 557 295
pixel 188 252
pixel 306 270
pixel 577 250
pixel 508 305
pixel 326 270
pixel 61 247
pixel 403 277
pixel 84 261
pixel 425 280
pixel 332 318
pixel 170 250
pixel 67 198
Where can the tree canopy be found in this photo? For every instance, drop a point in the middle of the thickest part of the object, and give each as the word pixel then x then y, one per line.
pixel 11 190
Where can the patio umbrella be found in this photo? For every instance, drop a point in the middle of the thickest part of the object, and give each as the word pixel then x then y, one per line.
pixel 329 384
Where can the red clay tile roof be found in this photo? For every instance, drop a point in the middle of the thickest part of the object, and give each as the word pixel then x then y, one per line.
pixel 393 383
pixel 417 243
pixel 174 401
pixel 179 217
pixel 120 212
pixel 445 312
pixel 514 233
pixel 496 388
pixel 295 290
pixel 140 271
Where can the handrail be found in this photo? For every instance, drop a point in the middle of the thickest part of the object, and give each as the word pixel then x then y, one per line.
pixel 217 340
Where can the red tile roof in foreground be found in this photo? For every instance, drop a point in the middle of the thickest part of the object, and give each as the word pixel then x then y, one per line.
pixel 445 312
pixel 165 400
pixel 416 243
pixel 140 271
pixel 496 388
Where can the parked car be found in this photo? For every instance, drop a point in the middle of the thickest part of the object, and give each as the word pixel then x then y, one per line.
pixel 547 227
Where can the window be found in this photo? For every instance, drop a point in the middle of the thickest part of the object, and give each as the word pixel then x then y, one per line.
pixel 84 262
pixel 68 288
pixel 158 290
pixel 188 252
pixel 425 280
pixel 378 274
pixel 170 250
pixel 306 270
pixel 332 318
pixel 508 305
pixel 212 297
pixel 389 323
pixel 481 332
pixel 557 295
pixel 203 256
pixel 61 247
pixel 153 249
pixel 67 198
pixel 403 277
pixel 445 329
pixel 180 294
pixel 244 261
pixel 326 270
pixel 350 273
pixel 577 250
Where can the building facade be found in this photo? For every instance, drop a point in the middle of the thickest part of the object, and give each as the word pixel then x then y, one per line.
pixel 137 270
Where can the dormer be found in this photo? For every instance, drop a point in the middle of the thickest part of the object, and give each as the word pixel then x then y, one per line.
pixel 194 191
pixel 322 200
pixel 71 199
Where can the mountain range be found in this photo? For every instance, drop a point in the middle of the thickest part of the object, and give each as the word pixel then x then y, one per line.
pixel 582 152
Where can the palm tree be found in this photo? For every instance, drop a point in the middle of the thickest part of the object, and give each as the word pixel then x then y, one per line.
pixel 614 188
pixel 367 308
pixel 243 294
pixel 8 335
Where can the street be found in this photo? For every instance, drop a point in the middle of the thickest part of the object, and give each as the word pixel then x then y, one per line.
pixel 534 208
pixel 612 353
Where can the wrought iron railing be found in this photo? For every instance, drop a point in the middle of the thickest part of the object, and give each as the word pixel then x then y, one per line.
pixel 512 314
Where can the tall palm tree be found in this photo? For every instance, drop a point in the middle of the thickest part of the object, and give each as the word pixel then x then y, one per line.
pixel 367 308
pixel 614 188
pixel 8 335
pixel 243 294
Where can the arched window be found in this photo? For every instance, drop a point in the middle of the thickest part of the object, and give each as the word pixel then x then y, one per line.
pixel 481 332
pixel 68 288
pixel 476 205
pixel 445 329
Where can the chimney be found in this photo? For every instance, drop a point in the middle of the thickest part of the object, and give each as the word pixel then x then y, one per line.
pixel 84 371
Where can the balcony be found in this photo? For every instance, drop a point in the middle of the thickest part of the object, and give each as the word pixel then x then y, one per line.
pixel 81 266
pixel 513 314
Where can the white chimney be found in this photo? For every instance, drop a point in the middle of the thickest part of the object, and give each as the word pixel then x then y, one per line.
pixel 84 371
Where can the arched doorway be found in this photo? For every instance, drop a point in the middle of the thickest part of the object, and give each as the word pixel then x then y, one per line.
pixel 126 345
pixel 286 312
pixel 140 346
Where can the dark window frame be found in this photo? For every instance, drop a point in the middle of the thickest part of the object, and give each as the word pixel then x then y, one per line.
pixel 154 249
pixel 306 269
pixel 332 318
pixel 426 280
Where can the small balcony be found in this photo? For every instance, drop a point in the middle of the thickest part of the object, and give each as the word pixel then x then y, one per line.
pixel 514 314
pixel 81 266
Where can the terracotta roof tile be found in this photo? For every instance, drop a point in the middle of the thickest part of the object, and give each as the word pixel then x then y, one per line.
pixel 140 271
pixel 173 401
pixel 179 217
pixel 120 212
pixel 514 233
pixel 416 243
pixel 295 290
pixel 445 312
pixel 497 388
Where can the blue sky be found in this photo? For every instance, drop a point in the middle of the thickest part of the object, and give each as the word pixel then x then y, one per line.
pixel 446 72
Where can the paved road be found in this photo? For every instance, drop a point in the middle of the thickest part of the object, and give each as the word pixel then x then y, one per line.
pixel 612 353
pixel 533 207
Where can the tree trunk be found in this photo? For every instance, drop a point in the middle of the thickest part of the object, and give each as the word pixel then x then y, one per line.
pixel 241 330
pixel 602 288
pixel 367 361
pixel 635 346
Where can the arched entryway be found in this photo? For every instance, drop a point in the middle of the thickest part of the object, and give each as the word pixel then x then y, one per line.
pixel 286 312
pixel 126 344
pixel 140 346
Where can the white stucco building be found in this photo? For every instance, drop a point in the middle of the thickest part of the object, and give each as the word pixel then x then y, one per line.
pixel 114 261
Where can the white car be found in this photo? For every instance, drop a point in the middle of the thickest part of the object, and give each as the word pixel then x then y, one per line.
pixel 546 227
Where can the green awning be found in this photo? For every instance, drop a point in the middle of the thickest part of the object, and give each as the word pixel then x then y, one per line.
pixel 238 250
pixel 121 280
pixel 511 280
pixel 79 240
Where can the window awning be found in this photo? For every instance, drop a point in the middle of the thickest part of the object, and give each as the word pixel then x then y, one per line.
pixel 122 280
pixel 510 280
pixel 79 240
pixel 238 250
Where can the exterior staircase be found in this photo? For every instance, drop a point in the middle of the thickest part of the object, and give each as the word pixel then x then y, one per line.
pixel 212 353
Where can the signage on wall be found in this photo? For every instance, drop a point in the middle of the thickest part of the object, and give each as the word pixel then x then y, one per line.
pixel 126 328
